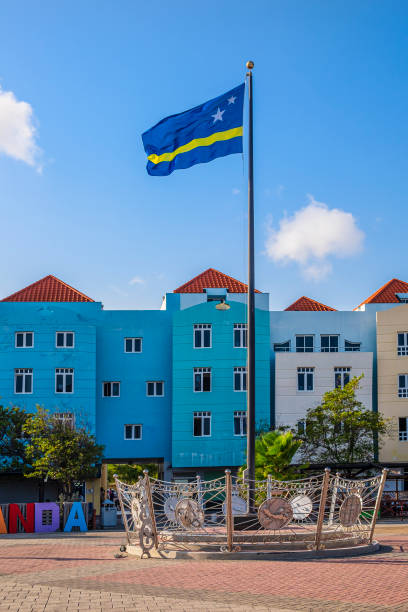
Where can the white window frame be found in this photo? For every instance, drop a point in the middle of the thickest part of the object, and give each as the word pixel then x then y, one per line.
pixel 133 426
pixel 242 328
pixel 133 340
pixel 64 372
pixel 24 334
pixel 201 371
pixel 155 383
pixel 403 434
pixel 243 378
pixel 342 371
pixel 329 349
pixel 66 418
pixel 111 383
pixel 241 416
pixel 402 349
pixel 283 348
pixel 24 372
pixel 64 346
pixel 202 415
pixel 202 328
pixel 353 347
pixel 403 391
pixel 310 348
pixel 305 371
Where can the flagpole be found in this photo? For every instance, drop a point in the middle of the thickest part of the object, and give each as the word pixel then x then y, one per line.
pixel 251 306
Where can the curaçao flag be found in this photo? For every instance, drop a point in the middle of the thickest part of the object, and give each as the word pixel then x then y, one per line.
pixel 197 136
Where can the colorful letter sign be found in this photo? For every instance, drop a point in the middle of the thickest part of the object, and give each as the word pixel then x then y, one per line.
pixel 47 517
pixel 76 518
pixel 27 523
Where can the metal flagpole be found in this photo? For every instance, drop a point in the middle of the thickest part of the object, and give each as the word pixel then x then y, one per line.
pixel 251 308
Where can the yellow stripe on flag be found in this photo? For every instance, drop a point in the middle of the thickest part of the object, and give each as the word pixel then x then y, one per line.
pixel 197 142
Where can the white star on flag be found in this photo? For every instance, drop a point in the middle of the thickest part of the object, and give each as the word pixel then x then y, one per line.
pixel 218 115
pixel 231 100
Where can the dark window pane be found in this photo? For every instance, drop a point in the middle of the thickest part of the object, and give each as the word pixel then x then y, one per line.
pixel 60 339
pixel 337 380
pixel 128 432
pixel 19 383
pixel 128 345
pixel 401 340
pixel 309 341
pixel 335 341
pixel 237 338
pixel 206 426
pixel 138 345
pixel 106 389
pixel 159 388
pixel 245 381
pixel 68 383
pixel 402 424
pixel 70 339
pixel 19 340
pixel 29 339
pixel 60 383
pixel 346 378
pixel 237 429
pixel 28 383
pixel 115 389
pixel 197 426
pixel 206 381
pixel 245 338
pixel 244 423
pixel 301 382
pixel 299 342
pixel 237 382
pixel 138 432
pixel 401 381
pixel 310 382
pixel 207 338
pixel 150 388
pixel 324 341
pixel 197 382
pixel 301 427
pixel 197 338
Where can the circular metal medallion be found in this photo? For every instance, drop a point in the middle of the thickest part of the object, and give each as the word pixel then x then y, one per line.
pixel 350 510
pixel 189 514
pixel 275 513
pixel 169 508
pixel 302 506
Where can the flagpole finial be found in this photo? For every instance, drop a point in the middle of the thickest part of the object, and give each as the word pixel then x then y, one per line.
pixel 250 65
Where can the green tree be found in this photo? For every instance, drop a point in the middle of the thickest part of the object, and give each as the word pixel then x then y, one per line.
pixel 274 452
pixel 12 443
pixel 341 429
pixel 59 451
pixel 130 473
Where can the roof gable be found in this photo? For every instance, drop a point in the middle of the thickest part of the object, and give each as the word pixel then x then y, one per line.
pixel 387 293
pixel 304 303
pixel 212 278
pixel 48 289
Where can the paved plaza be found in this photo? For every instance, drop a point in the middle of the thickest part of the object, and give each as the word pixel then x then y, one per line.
pixel 80 572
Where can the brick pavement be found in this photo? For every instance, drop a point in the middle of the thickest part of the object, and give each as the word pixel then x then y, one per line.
pixel 79 572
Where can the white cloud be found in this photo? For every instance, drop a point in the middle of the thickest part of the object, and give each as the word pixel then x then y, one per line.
pixel 17 130
pixel 136 280
pixel 313 234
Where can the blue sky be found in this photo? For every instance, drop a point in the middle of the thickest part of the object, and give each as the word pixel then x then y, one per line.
pixel 330 127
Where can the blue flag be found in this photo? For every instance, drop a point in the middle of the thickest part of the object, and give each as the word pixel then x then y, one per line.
pixel 197 136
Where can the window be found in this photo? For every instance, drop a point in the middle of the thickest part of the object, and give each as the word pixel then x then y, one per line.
pixel 202 424
pixel 301 427
pixel 64 380
pixel 64 339
pixel 341 377
pixel 111 389
pixel 133 345
pixel 305 379
pixel 155 388
pixel 23 380
pixel 66 418
pixel 240 379
pixel 132 432
pixel 304 344
pixel 282 347
pixel 24 339
pixel 202 379
pixel 351 346
pixel 240 423
pixel 240 335
pixel 403 343
pixel 403 385
pixel 403 429
pixel 329 344
pixel 202 335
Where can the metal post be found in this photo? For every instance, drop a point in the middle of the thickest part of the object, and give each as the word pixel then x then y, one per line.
pixel 151 507
pixel 251 307
pixel 334 497
pixel 378 502
pixel 322 507
pixel 269 487
pixel 230 520
pixel 122 508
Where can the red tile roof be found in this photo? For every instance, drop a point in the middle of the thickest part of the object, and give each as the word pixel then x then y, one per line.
pixel 386 293
pixel 212 279
pixel 305 303
pixel 48 289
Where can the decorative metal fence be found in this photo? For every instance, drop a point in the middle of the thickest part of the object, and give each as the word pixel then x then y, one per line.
pixel 311 513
